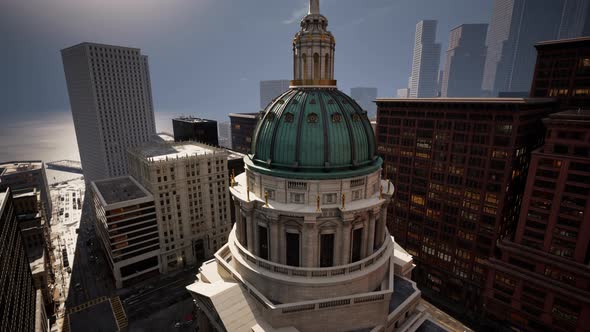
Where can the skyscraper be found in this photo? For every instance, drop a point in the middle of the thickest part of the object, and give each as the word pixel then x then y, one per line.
pixel 366 98
pixel 465 60
pixel 18 297
pixel 242 130
pixel 188 128
pixel 515 27
pixel 111 100
pixel 544 268
pixel 562 71
pixel 575 19
pixel 224 134
pixel 459 165
pixel 309 250
pixel 426 61
pixel 271 89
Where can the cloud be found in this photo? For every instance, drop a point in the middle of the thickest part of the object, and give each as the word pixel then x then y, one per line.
pixel 296 15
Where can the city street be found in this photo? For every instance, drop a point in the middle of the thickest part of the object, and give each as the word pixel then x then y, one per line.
pixel 83 277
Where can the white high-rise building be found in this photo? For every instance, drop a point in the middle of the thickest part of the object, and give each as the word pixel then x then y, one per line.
pixel 111 101
pixel 271 89
pixel 310 250
pixel 426 61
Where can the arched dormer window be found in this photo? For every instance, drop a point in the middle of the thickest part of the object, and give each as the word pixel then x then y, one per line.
pixel 316 66
pixel 327 67
pixel 304 59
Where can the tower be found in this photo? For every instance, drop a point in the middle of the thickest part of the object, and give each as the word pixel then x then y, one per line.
pixel 111 100
pixel 313 51
pixel 425 62
pixel 463 71
pixel 309 249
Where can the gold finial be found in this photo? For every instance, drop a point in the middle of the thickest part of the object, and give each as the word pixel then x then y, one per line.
pixel 381 192
pixel 343 200
pixel 318 202
pixel 266 198
pixel 388 186
pixel 232 181
pixel 233 173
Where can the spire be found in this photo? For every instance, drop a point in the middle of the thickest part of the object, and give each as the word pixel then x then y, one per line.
pixel 313 51
pixel 314 6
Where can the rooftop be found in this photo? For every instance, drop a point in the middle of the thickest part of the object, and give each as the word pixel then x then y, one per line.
pixel 12 167
pixel 120 189
pixel 243 115
pixel 402 290
pixel 2 197
pixel 579 114
pixel 190 119
pixel 469 100
pixel 101 45
pixel 165 151
pixel 164 137
pixel 560 42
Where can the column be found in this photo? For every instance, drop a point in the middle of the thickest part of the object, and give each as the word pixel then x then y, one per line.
pixel 282 259
pixel 252 236
pixel 309 233
pixel 371 236
pixel 345 242
pixel 338 243
pixel 274 240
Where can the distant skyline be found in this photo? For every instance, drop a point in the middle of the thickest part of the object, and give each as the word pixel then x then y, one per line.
pixel 201 52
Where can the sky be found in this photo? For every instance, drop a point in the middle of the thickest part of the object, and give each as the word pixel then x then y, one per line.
pixel 207 57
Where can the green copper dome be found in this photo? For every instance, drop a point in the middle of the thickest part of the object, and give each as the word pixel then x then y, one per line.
pixel 313 133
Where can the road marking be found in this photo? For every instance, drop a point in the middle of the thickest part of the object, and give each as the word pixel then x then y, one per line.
pixel 119 312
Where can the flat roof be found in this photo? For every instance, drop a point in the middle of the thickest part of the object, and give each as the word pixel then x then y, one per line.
pixel 2 198
pixel 12 167
pixel 190 119
pixel 243 115
pixel 579 114
pixel 469 100
pixel 101 45
pixel 121 189
pixel 160 151
pixel 31 191
pixel 165 137
pixel 563 41
pixel 235 154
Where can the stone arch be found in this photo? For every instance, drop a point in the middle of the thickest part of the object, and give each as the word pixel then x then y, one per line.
pixel 316 67
pixel 304 60
pixel 327 67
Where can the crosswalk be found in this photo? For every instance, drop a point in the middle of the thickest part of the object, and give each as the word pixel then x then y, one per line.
pixel 66 324
pixel 86 305
pixel 119 312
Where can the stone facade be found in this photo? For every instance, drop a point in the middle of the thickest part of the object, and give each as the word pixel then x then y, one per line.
pixel 189 185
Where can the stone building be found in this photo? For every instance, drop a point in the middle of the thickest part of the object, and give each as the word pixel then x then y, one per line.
pixel 189 183
pixel 128 230
pixel 310 250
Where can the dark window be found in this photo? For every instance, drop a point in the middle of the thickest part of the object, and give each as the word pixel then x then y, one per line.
pixel 262 242
pixel 293 249
pixel 357 240
pixel 326 250
pixel 245 233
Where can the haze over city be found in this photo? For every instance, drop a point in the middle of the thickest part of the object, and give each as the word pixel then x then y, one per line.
pixel 295 165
